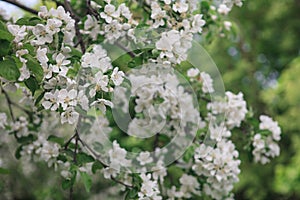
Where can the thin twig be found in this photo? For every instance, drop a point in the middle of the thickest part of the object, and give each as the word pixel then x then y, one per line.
pixel 91 10
pixel 77 20
pixel 69 141
pixel 120 182
pixel 155 142
pixel 103 164
pixel 35 12
pixel 131 53
pixel 9 103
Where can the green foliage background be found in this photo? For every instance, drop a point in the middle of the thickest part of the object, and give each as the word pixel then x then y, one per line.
pixel 263 62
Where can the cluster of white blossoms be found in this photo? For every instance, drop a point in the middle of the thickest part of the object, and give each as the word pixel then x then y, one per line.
pixel 174 44
pixel 149 189
pixel 189 186
pixel 68 77
pixel 203 78
pixel 115 22
pixel 20 127
pixel 219 166
pixel 162 104
pixel 234 107
pixel 43 150
pixel 265 145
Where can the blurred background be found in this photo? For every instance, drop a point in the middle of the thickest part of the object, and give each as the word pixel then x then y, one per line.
pixel 263 61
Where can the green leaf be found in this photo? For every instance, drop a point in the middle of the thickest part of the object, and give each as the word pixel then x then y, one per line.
pixel 5 35
pixel 9 70
pixel 68 183
pixel 29 21
pixel 87 181
pixel 39 97
pixel 27 139
pixel 189 153
pixel 32 84
pixel 35 68
pixel 18 152
pixel 204 7
pixel 4 171
pixel 83 158
pixel 5 47
pixel 29 47
pixel 131 194
pixel 55 139
pixel 2 25
pixel 96 166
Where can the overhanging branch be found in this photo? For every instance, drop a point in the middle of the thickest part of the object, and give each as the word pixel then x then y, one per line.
pixel 13 2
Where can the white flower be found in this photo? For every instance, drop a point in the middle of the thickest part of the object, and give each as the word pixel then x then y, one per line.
pixel 117 76
pixel 266 147
pixel 167 2
pixel 83 100
pixel 189 184
pixel 20 126
pixel 92 27
pixel 113 30
pixel 17 31
pixel 159 171
pixel 61 63
pixel 25 73
pixel 235 109
pixel 69 115
pixel 149 189
pixel 41 55
pixel 207 82
pixel 223 9
pixel 158 15
pixel 109 172
pixel 117 157
pixel 144 158
pixel 3 120
pixel 53 26
pixel 42 36
pixel 97 59
pixel 51 100
pixel 198 23
pixel 43 13
pixel 109 13
pixel 180 6
pixel 101 104
pixel 268 124
pixel 193 72
pixel 220 166
pixel 124 11
pixel 167 40
pixel 67 98
pixel 60 14
pixel 219 132
pixel 258 142
pixel 173 194
pixel 227 25
pixel 49 150
pixel 101 82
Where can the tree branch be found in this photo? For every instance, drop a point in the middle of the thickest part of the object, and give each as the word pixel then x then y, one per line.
pixel 132 54
pixel 14 2
pixel 91 10
pixel 77 20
